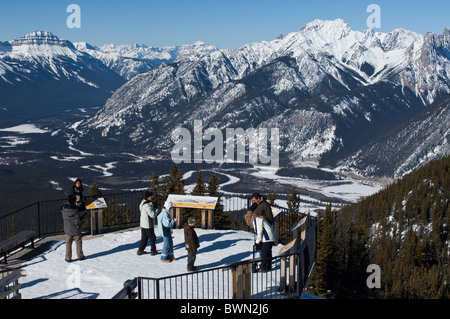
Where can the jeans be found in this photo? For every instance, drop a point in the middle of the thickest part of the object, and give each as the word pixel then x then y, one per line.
pixel 167 250
pixel 191 259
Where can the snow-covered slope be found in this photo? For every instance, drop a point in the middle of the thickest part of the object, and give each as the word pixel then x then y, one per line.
pixel 330 90
pixel 424 138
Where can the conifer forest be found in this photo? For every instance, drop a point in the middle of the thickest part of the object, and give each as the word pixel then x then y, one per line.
pixel 404 229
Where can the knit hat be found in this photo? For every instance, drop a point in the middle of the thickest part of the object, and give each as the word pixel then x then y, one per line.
pixel 168 205
pixel 148 194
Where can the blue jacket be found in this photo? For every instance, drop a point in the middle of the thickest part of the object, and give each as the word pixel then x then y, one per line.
pixel 165 223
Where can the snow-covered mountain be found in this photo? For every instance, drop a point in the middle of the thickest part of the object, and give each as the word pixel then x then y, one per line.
pixel 330 90
pixel 131 59
pixel 424 138
pixel 40 72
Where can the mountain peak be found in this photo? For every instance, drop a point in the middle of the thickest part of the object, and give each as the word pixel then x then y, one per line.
pixel 83 46
pixel 42 43
pixel 446 32
pixel 327 26
pixel 39 37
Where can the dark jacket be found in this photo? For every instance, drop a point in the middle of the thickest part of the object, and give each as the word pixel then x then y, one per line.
pixel 264 210
pixel 73 219
pixel 78 192
pixel 190 238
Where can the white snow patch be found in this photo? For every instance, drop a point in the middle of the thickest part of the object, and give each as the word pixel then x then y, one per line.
pixel 102 169
pixel 12 141
pixel 24 129
pixel 111 260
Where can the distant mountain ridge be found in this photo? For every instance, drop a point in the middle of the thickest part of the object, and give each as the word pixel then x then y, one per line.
pixel 40 73
pixel 131 59
pixel 330 90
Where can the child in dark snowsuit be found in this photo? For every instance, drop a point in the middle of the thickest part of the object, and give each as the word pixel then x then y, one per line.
pixel 191 243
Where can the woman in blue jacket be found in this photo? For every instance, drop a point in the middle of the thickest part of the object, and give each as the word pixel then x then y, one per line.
pixel 165 224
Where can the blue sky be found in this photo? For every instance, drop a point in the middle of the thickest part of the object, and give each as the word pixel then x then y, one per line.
pixel 226 24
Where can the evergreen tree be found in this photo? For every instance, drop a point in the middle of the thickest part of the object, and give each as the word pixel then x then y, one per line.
pixel 293 201
pixel 213 185
pixel 113 214
pixel 271 197
pixel 220 217
pixel 290 217
pixel 200 188
pixel 319 283
pixel 154 182
pixel 176 183
pixel 403 229
pixel 159 191
pixel 94 190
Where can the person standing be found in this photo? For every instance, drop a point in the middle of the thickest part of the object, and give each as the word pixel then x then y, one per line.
pixel 264 240
pixel 147 223
pixel 77 190
pixel 191 243
pixel 165 224
pixel 73 226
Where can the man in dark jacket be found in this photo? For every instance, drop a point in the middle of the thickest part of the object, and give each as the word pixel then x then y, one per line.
pixel 191 243
pixel 73 226
pixel 263 209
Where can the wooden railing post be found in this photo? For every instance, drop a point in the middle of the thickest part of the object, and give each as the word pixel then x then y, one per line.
pixel 283 279
pixel 241 281
pixel 96 221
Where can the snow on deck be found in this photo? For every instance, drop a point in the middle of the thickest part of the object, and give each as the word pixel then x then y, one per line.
pixel 111 259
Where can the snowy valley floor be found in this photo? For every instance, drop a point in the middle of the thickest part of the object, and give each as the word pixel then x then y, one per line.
pixel 111 259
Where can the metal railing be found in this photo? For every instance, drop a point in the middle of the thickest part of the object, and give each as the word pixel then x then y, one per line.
pixel 287 279
pixel 45 217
